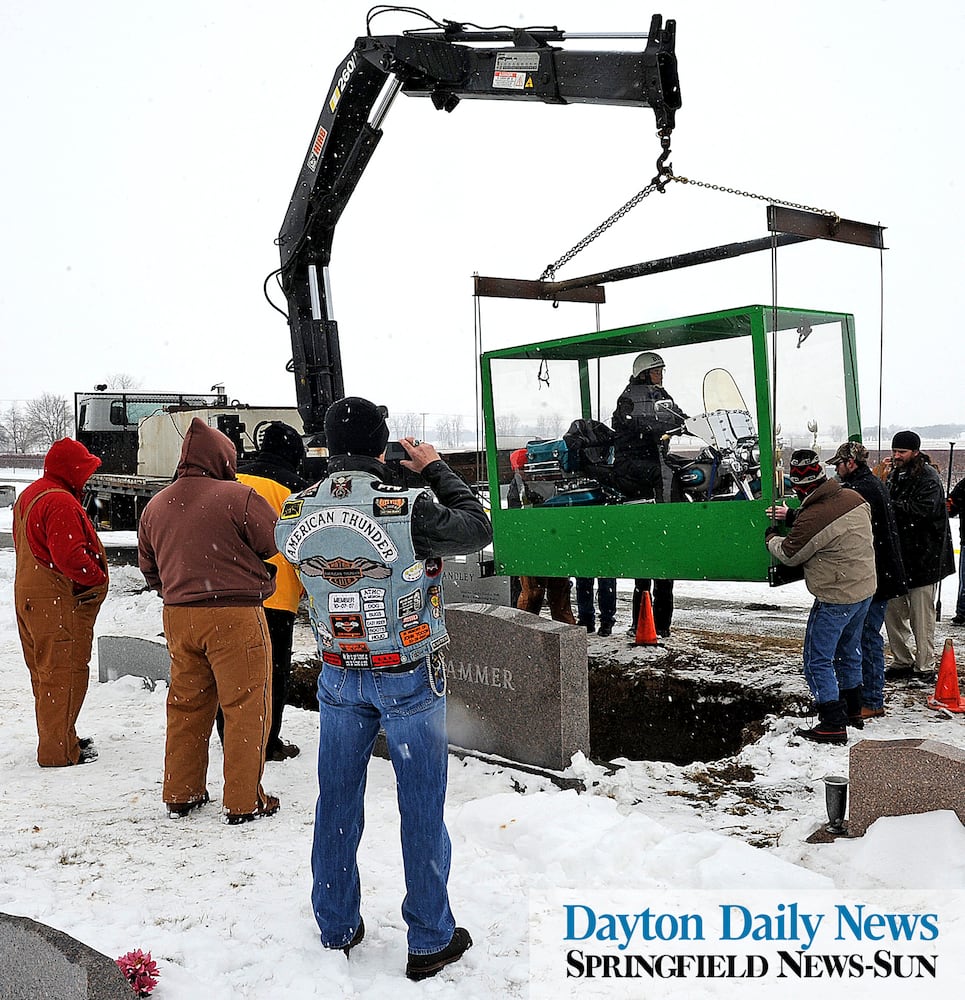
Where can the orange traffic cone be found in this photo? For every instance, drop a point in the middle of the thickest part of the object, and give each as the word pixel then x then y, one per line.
pixel 947 695
pixel 646 634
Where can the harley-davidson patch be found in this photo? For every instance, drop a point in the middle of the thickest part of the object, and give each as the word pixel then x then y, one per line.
pixel 347 626
pixel 342 572
pixel 390 506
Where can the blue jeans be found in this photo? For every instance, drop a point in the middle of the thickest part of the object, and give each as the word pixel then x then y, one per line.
pixel 832 648
pixel 353 705
pixel 873 656
pixel 960 603
pixel 606 596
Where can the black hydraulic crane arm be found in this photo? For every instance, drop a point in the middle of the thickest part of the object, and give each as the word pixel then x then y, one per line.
pixel 445 66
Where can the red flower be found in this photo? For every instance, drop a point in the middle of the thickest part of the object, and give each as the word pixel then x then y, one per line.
pixel 140 970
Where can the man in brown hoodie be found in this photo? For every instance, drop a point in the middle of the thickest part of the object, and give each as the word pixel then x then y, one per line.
pixel 202 545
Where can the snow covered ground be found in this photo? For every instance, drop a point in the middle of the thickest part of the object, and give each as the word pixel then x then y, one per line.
pixel 225 910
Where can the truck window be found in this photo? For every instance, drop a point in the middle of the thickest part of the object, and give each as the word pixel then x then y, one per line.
pixel 126 413
pixel 118 412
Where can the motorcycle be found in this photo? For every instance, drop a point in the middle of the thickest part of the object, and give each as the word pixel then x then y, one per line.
pixel 727 466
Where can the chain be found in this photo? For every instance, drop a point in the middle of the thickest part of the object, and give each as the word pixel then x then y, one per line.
pixel 549 273
pixel 659 183
pixel 760 197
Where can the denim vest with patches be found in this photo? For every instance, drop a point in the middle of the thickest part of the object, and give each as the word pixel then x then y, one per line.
pixel 372 602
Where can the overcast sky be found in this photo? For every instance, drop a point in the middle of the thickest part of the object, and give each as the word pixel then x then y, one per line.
pixel 150 152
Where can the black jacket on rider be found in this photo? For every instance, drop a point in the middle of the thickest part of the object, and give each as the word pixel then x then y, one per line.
pixel 644 414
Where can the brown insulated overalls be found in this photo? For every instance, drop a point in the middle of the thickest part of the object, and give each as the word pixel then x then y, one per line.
pixel 57 633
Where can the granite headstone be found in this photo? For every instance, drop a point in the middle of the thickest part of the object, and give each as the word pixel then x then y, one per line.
pixel 518 685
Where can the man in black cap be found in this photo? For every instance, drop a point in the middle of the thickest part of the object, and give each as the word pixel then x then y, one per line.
pixel 918 500
pixel 830 539
pixel 273 472
pixel 369 555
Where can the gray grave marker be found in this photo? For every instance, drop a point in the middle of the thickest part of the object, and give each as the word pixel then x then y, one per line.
pixel 118 655
pixel 39 961
pixel 464 583
pixel 518 685
pixel 902 778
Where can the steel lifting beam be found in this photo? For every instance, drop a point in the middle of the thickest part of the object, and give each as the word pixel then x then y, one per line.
pixel 566 291
pixel 818 226
pixel 519 288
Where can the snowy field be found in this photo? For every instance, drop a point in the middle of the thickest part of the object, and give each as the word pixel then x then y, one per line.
pixel 225 910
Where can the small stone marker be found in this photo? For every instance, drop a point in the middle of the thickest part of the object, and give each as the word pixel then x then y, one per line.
pixel 39 961
pixel 463 583
pixel 902 778
pixel 118 655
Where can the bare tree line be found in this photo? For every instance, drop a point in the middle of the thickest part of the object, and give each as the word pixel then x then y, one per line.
pixel 32 426
pixel 35 425
pixel 450 430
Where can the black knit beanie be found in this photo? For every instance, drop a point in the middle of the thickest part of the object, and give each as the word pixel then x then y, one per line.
pixel 282 440
pixel 354 426
pixel 906 441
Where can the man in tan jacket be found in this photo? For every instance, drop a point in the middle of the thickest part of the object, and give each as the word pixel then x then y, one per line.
pixel 830 539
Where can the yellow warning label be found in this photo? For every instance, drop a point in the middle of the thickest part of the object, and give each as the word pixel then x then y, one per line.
pixel 529 82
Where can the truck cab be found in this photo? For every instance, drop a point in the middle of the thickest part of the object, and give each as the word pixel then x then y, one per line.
pixel 106 422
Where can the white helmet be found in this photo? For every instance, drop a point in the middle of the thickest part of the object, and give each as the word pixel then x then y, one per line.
pixel 646 362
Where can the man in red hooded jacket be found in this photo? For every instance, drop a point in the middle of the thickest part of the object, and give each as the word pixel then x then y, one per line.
pixel 60 584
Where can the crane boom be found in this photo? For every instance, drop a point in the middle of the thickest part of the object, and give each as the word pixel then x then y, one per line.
pixel 446 66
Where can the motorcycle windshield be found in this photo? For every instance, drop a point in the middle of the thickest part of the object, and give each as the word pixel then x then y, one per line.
pixel 721 392
pixel 726 420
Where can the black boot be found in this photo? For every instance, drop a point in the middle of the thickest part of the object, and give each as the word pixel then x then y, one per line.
pixel 832 724
pixel 852 701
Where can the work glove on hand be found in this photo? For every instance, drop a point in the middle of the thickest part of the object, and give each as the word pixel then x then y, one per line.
pixel 770 531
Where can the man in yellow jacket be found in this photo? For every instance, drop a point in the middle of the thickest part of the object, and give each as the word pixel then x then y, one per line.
pixel 273 474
